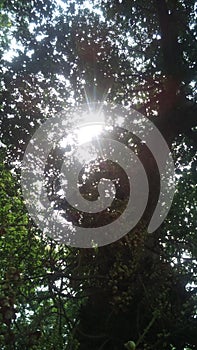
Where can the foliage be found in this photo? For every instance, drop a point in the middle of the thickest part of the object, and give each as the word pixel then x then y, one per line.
pixel 33 277
pixel 141 290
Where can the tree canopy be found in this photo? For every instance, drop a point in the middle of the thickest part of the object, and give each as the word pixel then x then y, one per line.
pixel 140 291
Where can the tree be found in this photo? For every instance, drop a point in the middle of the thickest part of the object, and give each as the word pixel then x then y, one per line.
pixel 140 289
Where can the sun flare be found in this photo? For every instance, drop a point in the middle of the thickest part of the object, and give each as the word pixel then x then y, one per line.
pixel 88 132
pixel 82 135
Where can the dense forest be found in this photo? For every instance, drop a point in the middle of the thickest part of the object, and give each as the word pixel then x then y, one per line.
pixel 137 292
